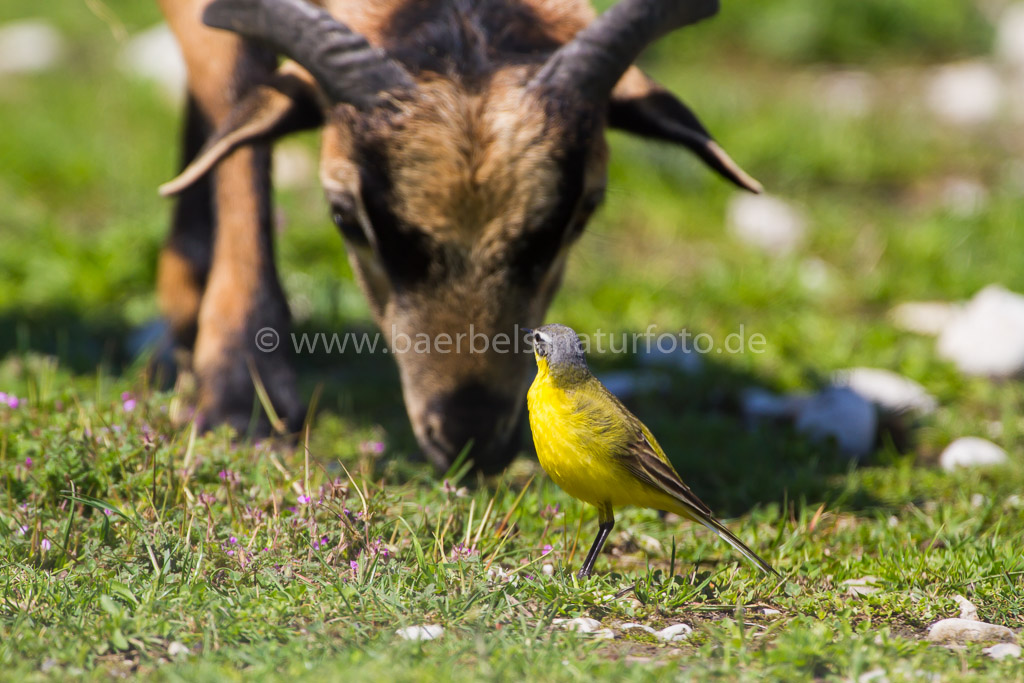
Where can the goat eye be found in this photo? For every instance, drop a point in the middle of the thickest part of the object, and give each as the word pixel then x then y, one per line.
pixel 344 215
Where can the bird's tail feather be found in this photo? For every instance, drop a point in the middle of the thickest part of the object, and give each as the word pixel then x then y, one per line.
pixel 730 538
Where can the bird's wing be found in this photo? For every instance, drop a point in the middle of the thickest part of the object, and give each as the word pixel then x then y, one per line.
pixel 645 460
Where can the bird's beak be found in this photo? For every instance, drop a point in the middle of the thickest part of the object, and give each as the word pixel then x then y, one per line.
pixel 527 330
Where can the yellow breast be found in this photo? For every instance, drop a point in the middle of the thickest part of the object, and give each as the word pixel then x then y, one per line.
pixel 576 444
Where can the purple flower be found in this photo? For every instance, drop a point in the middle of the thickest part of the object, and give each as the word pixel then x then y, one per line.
pixel 372 447
pixel 354 565
pixel 547 549
pixel 10 400
pixel 127 402
pixel 304 499
pixel 231 552
pixel 233 540
pixel 316 545
pixel 108 512
pixel 28 463
pixel 23 529
pixel 44 544
pixel 549 511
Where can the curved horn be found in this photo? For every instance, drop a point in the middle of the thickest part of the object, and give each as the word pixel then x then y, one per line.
pixel 592 62
pixel 346 67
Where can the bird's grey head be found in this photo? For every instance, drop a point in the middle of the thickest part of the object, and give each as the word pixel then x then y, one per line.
pixel 560 346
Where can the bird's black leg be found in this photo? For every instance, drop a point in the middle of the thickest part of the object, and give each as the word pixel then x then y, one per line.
pixel 607 522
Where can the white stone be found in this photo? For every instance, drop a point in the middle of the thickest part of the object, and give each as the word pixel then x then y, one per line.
pixel 965 93
pixel 154 55
pixel 674 633
pixel 176 648
pixel 816 275
pixel 962 631
pixel 862 586
pixel 769 612
pixel 873 676
pixel 29 46
pixel 841 414
pixel 294 166
pixel 580 624
pixel 891 392
pixel 1010 36
pixel 760 404
pixel 626 383
pixel 632 625
pixel 967 609
pixel 847 93
pixel 660 352
pixel 971 451
pixel 964 197
pixel 766 222
pixel 924 317
pixel 548 569
pixel 987 338
pixel 649 543
pixel 1003 650
pixel 425 632
pixel 603 634
pixel 978 500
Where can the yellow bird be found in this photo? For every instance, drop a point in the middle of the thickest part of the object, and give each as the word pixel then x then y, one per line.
pixel 598 451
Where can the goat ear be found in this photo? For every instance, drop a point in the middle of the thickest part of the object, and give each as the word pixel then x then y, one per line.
pixel 288 102
pixel 641 106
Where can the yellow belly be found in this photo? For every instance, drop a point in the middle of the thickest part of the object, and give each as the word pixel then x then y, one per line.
pixel 578 452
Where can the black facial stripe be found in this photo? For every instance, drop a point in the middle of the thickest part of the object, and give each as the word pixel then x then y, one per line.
pixel 405 251
pixel 540 244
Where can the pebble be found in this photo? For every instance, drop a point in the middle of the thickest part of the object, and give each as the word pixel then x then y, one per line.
pixel 924 317
pixel 847 93
pixel 766 222
pixel 873 676
pixel 769 612
pixel 29 46
pixel 889 391
pixel 548 569
pixel 660 353
pixel 154 55
pixel 987 337
pixel 836 413
pixel 1010 36
pixel 971 451
pixel 962 631
pixel 1003 650
pixel 964 197
pixel 627 383
pixel 674 633
pixel 633 625
pixel 176 648
pixel 425 632
pixel 965 93
pixel 760 404
pixel 580 624
pixel 841 414
pixel 967 609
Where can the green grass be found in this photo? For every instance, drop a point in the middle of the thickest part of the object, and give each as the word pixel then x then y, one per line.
pixel 117 593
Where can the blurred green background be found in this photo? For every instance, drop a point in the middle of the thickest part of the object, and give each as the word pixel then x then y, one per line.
pixel 827 104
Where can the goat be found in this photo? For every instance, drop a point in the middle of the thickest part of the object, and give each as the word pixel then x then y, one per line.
pixel 462 154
